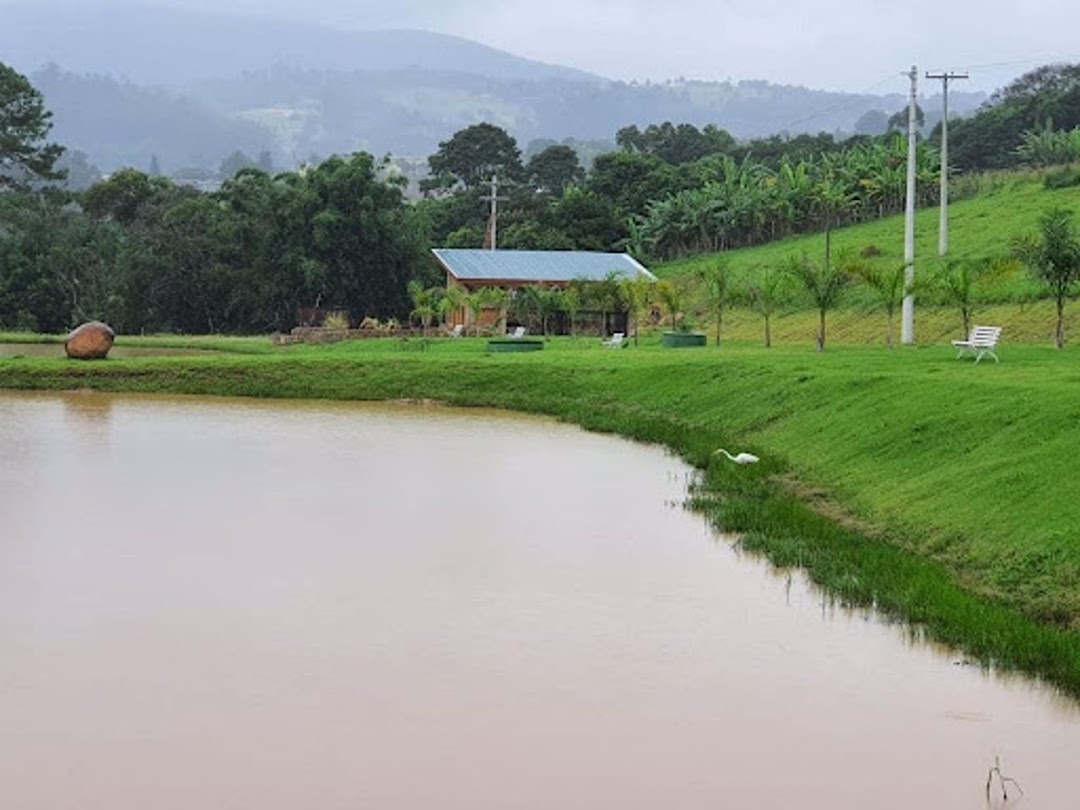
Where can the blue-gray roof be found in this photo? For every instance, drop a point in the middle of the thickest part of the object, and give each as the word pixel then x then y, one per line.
pixel 537 265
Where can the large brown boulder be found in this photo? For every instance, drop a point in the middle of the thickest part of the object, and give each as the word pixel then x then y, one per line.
pixel 91 341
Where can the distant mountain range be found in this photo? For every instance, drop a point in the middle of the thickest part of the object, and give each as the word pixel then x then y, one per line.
pixel 127 84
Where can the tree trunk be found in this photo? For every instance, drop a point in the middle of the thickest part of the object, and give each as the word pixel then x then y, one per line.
pixel 768 334
pixel 821 331
pixel 1059 333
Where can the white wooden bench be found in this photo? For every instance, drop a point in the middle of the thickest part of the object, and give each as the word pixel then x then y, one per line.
pixel 980 341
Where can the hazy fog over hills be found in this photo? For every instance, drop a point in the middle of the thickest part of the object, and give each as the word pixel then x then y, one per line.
pixel 127 84
pixel 156 45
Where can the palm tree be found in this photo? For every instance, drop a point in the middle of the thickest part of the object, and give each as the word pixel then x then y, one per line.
pixel 824 283
pixel 474 301
pixel 495 298
pixel 571 301
pixel 452 301
pixel 671 295
pixel 766 292
pixel 549 301
pixel 887 284
pixel 1054 258
pixel 956 279
pixel 636 292
pixel 425 304
pixel 717 280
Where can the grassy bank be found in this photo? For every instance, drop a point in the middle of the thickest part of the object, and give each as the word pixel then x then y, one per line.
pixel 939 491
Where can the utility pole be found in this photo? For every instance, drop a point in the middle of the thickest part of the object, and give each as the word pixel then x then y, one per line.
pixel 493 217
pixel 907 318
pixel 943 224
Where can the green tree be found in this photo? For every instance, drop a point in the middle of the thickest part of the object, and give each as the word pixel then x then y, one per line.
pixel 630 181
pixel 475 302
pixel 671 295
pixel 125 195
pixel 553 169
pixel 716 279
pixel 956 280
pixel 495 298
pixel 453 299
pixel 606 295
pixel 550 302
pixel 636 292
pixel 472 156
pixel 681 143
pixel 990 138
pixel 572 303
pixel 1054 257
pixel 824 283
pixel 584 220
pixel 766 291
pixel 361 230
pixel 425 304
pixel 886 284
pixel 24 124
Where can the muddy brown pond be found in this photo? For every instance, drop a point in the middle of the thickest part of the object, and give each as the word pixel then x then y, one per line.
pixel 57 350
pixel 224 604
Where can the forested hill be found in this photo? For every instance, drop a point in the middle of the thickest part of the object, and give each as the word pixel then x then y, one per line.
pixel 177 48
pixel 121 76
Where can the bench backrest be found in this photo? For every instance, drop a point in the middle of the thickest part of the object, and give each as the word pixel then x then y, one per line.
pixel 984 336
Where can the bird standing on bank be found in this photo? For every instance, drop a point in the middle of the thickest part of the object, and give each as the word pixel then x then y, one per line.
pixel 741 458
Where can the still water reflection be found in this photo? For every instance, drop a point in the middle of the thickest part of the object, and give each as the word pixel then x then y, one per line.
pixel 217 604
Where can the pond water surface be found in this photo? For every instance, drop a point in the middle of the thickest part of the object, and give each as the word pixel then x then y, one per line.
pixel 57 350
pixel 225 604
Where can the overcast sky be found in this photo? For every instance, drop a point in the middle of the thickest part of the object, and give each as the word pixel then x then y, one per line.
pixel 829 44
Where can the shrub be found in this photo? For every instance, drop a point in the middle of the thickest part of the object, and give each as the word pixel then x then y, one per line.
pixel 336 321
pixel 1062 178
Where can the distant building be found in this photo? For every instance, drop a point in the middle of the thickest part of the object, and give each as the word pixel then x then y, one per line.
pixel 473 269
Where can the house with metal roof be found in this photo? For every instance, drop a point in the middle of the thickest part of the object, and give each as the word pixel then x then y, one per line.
pixel 473 269
pixel 517 268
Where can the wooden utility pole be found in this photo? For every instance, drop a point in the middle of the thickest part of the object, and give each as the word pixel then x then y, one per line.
pixel 943 223
pixel 491 234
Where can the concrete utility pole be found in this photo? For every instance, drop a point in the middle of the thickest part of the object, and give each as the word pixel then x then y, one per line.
pixel 943 224
pixel 907 317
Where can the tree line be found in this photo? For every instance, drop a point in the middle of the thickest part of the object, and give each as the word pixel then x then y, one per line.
pixel 147 254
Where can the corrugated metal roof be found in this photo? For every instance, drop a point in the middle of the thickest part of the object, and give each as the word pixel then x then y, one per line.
pixel 537 265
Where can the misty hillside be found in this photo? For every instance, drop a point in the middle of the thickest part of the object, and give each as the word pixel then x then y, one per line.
pixel 153 45
pixel 120 124
pixel 193 88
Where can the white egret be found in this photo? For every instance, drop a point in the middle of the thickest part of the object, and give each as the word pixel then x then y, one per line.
pixel 741 458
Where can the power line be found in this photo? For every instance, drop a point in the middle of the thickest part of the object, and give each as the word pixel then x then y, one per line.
pixel 854 99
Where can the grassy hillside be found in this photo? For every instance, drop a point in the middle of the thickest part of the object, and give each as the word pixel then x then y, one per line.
pixel 980 227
